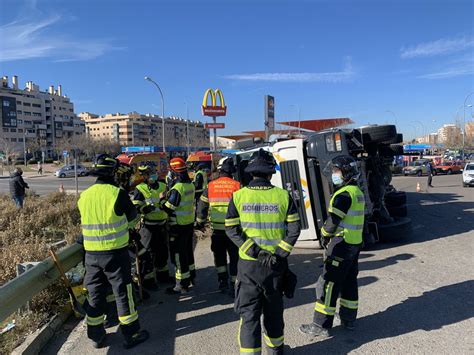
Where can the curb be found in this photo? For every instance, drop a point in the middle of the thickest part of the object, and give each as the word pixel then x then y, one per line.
pixel 36 341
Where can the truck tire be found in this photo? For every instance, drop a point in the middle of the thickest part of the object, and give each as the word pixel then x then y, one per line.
pixel 396 198
pixel 378 134
pixel 395 231
pixel 398 211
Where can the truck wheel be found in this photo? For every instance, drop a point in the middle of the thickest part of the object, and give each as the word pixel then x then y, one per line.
pixel 398 139
pixel 395 231
pixel 398 211
pixel 391 150
pixel 378 134
pixel 396 198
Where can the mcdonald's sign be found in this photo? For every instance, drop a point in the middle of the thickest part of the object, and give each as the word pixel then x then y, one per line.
pixel 213 110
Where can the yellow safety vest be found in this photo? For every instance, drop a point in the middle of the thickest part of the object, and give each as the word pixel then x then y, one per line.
pixel 204 180
pixel 102 229
pixel 352 223
pixel 152 197
pixel 185 211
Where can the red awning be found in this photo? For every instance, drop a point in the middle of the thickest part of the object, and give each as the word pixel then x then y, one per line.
pixel 318 125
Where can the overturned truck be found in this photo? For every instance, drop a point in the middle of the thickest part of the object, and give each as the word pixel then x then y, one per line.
pixel 300 170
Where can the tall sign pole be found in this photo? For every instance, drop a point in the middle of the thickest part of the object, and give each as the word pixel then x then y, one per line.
pixel 214 111
pixel 269 116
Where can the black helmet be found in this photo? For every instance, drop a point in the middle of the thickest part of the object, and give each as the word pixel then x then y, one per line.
pixel 104 165
pixel 261 162
pixel 226 165
pixel 347 165
pixel 123 174
pixel 144 169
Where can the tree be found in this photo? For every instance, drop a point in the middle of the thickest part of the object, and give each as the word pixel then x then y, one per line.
pixel 8 148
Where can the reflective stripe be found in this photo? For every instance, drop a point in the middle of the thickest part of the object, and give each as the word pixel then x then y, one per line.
pixel 324 233
pixel 189 192
pixel 349 304
pixel 186 203
pixel 183 213
pixel 94 321
pixel 192 267
pixel 354 227
pixel 152 200
pixel 336 211
pixel 221 269
pixel 328 294
pixel 125 320
pixel 229 222
pixel 233 279
pixel 263 225
pixel 285 246
pixel 219 199
pixel 320 308
pixel 355 213
pixel 104 225
pixel 262 241
pixel 204 198
pixel 360 198
pixel 111 236
pixel 293 217
pixel 162 269
pixel 154 222
pixel 273 342
pixel 131 303
pixel 170 205
pixel 246 246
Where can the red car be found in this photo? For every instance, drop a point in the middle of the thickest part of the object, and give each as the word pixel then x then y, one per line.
pixel 448 167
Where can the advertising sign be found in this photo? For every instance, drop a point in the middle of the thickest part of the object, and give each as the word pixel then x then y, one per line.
pixel 8 111
pixel 213 110
pixel 214 125
pixel 269 116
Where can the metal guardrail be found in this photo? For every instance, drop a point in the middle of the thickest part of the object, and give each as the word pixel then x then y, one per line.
pixel 23 288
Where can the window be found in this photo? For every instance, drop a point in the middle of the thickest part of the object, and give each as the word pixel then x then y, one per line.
pixel 20 139
pixel 36 105
pixel 26 104
pixel 13 139
pixel 13 130
pixel 26 113
pixel 18 102
pixel 20 130
pixel 6 103
pixel 19 112
pixel 37 114
pixel 6 130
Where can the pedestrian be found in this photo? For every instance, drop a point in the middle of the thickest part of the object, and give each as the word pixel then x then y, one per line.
pixel 263 222
pixel 154 230
pixel 107 214
pixel 429 171
pixel 18 187
pixel 40 168
pixel 179 204
pixel 342 236
pixel 200 181
pixel 215 202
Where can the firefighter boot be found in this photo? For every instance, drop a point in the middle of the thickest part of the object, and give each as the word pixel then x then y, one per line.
pixel 137 338
pixel 314 330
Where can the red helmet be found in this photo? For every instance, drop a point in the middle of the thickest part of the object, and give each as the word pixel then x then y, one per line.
pixel 178 165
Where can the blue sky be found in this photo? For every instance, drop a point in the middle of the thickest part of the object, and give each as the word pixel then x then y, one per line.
pixel 372 61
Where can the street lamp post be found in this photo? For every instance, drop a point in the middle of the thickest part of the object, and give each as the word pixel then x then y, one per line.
pixel 464 125
pixel 299 116
pixel 422 127
pixel 162 109
pixel 24 145
pixel 188 148
pixel 394 116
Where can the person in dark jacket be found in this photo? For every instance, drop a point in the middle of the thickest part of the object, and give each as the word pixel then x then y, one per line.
pixel 17 187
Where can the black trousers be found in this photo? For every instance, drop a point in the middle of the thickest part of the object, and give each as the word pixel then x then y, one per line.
pixel 338 280
pixel 190 247
pixel 155 239
pixel 221 245
pixel 258 291
pixel 103 269
pixel 430 179
pixel 180 237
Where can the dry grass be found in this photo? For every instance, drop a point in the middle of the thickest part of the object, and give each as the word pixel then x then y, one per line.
pixel 25 236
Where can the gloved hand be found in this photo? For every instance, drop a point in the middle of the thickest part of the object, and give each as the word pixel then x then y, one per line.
pixel 280 264
pixel 267 259
pixel 200 226
pixel 134 235
pixel 325 241
pixel 148 209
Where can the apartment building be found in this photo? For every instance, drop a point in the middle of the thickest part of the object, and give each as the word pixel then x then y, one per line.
pixel 32 117
pixel 449 134
pixel 135 129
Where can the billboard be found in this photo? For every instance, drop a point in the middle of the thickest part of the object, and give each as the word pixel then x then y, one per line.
pixel 269 116
pixel 213 110
pixel 214 125
pixel 8 111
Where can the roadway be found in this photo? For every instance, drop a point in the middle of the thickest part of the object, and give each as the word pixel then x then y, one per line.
pixel 416 296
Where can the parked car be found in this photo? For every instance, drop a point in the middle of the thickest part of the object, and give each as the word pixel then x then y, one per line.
pixel 68 171
pixel 468 175
pixel 417 167
pixel 448 167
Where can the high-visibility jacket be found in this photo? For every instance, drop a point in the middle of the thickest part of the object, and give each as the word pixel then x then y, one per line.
pixel 204 180
pixel 352 223
pixel 102 229
pixel 152 197
pixel 219 193
pixel 262 214
pixel 184 213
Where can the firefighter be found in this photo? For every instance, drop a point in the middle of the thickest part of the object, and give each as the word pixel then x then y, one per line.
pixel 107 214
pixel 263 222
pixel 154 231
pixel 215 201
pixel 342 236
pixel 179 204
pixel 200 181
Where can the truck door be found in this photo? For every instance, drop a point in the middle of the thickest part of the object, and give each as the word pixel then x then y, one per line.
pixel 291 175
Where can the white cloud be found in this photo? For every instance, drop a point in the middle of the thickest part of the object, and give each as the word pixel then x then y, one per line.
pixel 346 75
pixel 31 36
pixel 439 47
pixel 462 66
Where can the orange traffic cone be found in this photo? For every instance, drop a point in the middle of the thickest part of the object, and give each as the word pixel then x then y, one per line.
pixel 418 187
pixel 61 188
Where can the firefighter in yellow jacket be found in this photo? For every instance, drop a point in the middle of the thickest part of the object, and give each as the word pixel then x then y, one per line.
pixel 263 222
pixel 107 214
pixel 342 234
